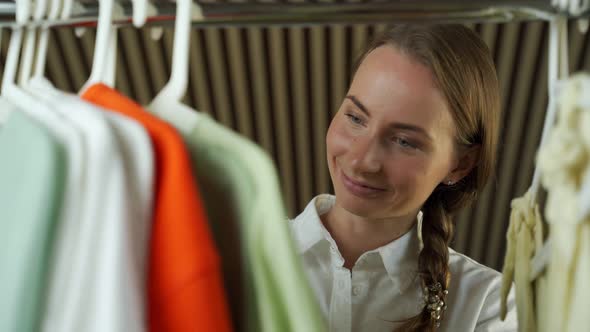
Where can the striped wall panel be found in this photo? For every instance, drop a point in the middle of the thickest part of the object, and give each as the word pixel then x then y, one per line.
pixel 280 86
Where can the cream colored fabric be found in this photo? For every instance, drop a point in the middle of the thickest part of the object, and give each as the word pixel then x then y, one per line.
pixel 541 296
pixel 564 161
pixel 524 219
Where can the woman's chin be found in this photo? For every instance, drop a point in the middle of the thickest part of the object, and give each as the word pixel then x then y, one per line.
pixel 356 206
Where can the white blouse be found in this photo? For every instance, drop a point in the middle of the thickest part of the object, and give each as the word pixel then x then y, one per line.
pixel 383 286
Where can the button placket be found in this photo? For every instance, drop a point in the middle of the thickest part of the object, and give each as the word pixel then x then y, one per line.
pixel 360 279
pixel 340 308
pixel 336 258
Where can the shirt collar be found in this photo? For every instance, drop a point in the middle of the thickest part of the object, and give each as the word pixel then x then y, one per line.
pixel 399 257
pixel 308 228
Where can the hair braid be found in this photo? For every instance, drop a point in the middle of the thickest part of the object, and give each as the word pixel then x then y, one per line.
pixel 433 262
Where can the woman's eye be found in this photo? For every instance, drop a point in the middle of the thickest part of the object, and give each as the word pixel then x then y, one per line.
pixel 404 143
pixel 354 119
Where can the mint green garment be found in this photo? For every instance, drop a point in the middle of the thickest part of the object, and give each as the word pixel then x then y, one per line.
pixel 32 176
pixel 266 285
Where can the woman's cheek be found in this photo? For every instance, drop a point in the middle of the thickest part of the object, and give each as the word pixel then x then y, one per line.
pixel 405 171
pixel 338 139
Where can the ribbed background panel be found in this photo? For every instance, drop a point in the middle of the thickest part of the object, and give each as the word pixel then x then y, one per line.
pixel 281 86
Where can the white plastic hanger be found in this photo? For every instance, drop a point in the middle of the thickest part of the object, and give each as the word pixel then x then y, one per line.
pixel 1 32
pixel 576 8
pixel 141 10
pixel 23 12
pixel 10 67
pixel 103 62
pixel 560 4
pixel 66 11
pixel 43 43
pixel 168 103
pixel 558 68
pixel 104 35
pixel 69 8
pixel 29 43
pixel 10 91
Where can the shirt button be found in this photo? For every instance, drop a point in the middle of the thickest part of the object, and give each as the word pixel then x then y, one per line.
pixel 356 290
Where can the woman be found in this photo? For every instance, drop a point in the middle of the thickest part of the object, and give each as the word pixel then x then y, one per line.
pixel 413 142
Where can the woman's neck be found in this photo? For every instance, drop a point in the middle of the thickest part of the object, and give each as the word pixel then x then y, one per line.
pixel 356 235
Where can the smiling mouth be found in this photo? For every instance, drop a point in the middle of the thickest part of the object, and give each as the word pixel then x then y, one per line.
pixel 359 188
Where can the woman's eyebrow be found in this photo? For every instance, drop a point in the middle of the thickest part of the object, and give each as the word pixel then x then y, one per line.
pixel 358 104
pixel 398 126
pixel 411 127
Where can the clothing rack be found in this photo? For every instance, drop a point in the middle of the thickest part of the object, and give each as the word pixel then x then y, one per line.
pixel 257 89
pixel 217 13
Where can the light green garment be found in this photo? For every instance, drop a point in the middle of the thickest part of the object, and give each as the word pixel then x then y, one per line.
pixel 32 176
pixel 267 287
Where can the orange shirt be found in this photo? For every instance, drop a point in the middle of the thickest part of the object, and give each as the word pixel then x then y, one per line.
pixel 185 288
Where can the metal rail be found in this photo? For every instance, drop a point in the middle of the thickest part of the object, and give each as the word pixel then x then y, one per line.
pixel 324 12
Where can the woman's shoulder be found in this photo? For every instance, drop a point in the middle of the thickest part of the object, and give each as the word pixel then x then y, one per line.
pixel 467 270
pixel 475 293
pixel 465 263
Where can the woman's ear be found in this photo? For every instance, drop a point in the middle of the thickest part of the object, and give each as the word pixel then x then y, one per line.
pixel 465 160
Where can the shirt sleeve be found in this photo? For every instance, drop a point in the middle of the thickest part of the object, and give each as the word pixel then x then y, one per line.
pixel 489 319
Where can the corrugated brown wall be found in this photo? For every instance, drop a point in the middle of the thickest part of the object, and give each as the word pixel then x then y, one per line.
pixel 280 87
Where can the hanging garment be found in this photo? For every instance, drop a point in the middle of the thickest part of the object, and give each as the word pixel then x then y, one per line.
pixel 136 148
pixel 564 161
pixel 138 154
pixel 540 282
pixel 185 290
pixel 67 137
pixel 524 219
pixel 94 258
pixel 226 189
pixel 32 174
pixel 5 109
pixel 383 286
pixel 267 287
pixel 138 162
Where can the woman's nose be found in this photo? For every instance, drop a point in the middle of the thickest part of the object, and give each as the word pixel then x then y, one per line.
pixel 364 156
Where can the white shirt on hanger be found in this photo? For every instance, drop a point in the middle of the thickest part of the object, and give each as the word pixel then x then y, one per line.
pixel 98 276
pixel 383 287
pixel 138 154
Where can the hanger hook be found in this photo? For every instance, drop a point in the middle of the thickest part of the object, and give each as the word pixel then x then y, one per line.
pixel 103 39
pixel 176 87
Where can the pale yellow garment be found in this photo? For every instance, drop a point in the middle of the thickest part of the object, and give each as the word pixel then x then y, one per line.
pixel 524 218
pixel 540 282
pixel 564 161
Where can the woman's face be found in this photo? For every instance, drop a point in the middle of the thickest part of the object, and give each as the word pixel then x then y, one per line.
pixel 392 141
